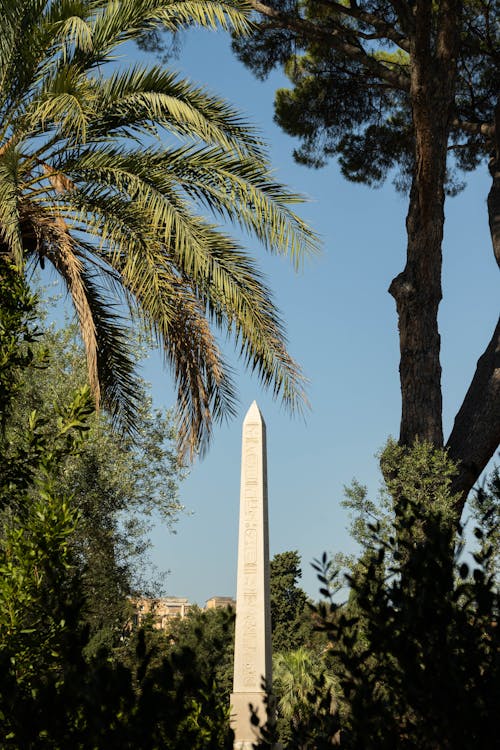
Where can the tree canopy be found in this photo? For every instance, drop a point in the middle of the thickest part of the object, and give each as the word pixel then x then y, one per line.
pixel 350 65
pixel 122 178
pixel 409 90
pixel 209 634
pixel 116 482
pixel 290 617
pixel 55 692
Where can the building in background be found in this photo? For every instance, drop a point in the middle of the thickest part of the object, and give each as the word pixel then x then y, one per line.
pixel 220 602
pixel 160 609
pixel 163 608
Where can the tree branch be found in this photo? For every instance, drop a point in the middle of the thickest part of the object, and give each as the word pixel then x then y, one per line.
pixel 384 30
pixel 476 431
pixel 494 208
pixel 494 194
pixel 486 129
pixel 403 12
pixel 336 39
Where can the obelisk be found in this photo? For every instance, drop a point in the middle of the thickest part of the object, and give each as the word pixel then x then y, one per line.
pixel 252 646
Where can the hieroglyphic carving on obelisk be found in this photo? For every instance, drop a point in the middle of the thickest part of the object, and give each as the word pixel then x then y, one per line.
pixel 252 647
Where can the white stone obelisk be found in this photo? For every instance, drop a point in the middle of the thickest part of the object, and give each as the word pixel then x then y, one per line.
pixel 252 647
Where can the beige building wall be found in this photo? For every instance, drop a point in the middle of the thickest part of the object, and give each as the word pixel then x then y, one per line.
pixel 219 602
pixel 161 609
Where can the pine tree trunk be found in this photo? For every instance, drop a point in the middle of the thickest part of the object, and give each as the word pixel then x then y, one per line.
pixel 417 290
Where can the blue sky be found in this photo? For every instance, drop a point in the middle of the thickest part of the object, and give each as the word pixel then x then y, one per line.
pixel 342 328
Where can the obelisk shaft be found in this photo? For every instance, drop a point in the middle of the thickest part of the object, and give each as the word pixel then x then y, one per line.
pixel 252 648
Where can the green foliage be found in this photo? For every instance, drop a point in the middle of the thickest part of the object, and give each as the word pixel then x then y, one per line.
pixel 209 634
pixel 36 564
pixel 420 472
pixel 85 704
pixel 107 173
pixel 31 459
pixel 297 676
pixel 485 506
pixel 17 331
pixel 298 663
pixel 290 616
pixel 416 647
pixel 116 483
pixel 363 513
pixel 53 694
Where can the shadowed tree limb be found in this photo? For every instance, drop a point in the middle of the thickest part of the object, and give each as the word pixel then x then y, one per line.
pixel 494 194
pixel 476 432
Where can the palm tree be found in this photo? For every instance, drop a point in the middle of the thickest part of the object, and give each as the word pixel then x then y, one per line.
pixel 122 180
pixel 304 687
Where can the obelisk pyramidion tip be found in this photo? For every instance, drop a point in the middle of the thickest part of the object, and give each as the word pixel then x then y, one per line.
pixel 253 414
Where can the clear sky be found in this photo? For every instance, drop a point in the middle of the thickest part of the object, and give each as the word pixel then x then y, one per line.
pixel 342 328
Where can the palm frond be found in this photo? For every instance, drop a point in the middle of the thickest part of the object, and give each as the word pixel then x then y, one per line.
pixel 222 276
pixel 116 367
pixel 205 391
pixel 243 190
pixel 71 25
pixel 57 245
pixel 171 311
pixel 10 218
pixel 110 365
pixel 154 95
pixel 231 16
pixel 20 52
pixel 239 189
pixel 64 102
pixel 82 186
pixel 226 280
pixel 119 22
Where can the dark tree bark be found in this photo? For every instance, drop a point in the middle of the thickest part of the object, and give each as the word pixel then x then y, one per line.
pixel 417 290
pixel 476 432
pixel 494 194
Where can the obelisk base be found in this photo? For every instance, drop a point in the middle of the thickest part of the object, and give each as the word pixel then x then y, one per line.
pixel 247 733
pixel 242 745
